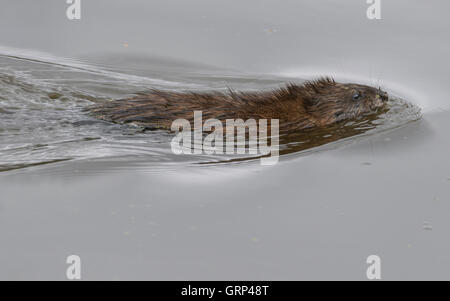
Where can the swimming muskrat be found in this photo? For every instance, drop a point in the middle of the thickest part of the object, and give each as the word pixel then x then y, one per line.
pixel 316 103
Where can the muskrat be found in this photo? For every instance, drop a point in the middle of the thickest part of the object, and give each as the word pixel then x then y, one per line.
pixel 316 103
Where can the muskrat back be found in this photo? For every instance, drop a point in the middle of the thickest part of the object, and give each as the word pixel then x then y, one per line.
pixel 315 103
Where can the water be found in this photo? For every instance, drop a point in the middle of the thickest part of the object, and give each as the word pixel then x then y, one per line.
pixel 44 118
pixel 131 209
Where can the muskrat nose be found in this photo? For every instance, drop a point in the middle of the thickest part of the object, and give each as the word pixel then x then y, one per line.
pixel 382 95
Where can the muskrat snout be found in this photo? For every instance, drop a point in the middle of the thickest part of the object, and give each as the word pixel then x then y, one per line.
pixel 382 95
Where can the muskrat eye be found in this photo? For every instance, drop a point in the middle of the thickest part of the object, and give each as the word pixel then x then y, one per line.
pixel 356 96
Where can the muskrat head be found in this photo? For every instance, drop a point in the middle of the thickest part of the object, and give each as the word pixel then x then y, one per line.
pixel 328 102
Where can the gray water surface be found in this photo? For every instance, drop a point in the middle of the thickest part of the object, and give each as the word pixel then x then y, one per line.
pixel 130 209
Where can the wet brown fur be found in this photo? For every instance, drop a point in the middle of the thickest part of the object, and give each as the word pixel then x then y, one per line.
pixel 297 106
